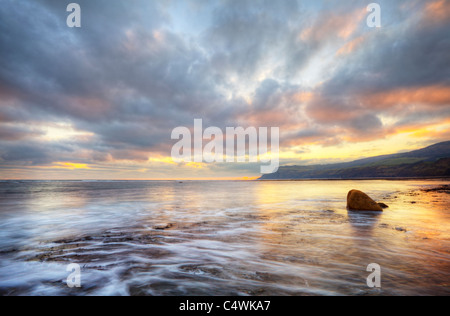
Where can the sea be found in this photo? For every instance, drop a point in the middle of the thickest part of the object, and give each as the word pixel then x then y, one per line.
pixel 215 238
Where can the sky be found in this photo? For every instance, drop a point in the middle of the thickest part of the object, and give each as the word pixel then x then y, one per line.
pixel 101 101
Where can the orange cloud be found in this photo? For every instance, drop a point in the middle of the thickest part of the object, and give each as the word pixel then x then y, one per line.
pixel 342 25
pixel 352 23
pixel 431 95
pixel 351 46
pixel 87 106
pixel 325 111
pixel 302 97
pixel 438 11
pixel 340 114
pixel 278 116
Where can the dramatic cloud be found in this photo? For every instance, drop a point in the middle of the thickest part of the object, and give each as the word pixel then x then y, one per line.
pixel 101 100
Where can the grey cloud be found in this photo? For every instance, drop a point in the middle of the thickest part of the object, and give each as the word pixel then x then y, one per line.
pixel 406 54
pixel 24 154
pixel 130 77
pixel 411 55
pixel 366 123
pixel 15 133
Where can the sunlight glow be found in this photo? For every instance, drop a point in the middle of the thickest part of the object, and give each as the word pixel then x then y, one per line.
pixel 62 131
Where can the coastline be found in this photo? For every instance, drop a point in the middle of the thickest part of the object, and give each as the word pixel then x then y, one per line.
pixel 227 180
pixel 362 179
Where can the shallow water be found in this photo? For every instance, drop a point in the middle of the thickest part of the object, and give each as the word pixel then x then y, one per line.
pixel 222 238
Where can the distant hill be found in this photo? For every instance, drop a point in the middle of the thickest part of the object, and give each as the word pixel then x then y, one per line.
pixel 433 161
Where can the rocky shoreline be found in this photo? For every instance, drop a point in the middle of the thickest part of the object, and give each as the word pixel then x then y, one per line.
pixel 441 189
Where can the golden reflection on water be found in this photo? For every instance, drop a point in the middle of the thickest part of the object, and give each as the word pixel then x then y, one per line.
pixel 44 198
pixel 279 235
pixel 413 231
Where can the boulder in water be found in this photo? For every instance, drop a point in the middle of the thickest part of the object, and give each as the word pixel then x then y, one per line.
pixel 359 201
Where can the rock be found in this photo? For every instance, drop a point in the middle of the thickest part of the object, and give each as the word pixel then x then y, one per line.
pixel 441 189
pixel 382 205
pixel 163 226
pixel 359 201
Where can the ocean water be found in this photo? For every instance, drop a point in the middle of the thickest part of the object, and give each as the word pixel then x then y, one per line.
pixel 222 238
